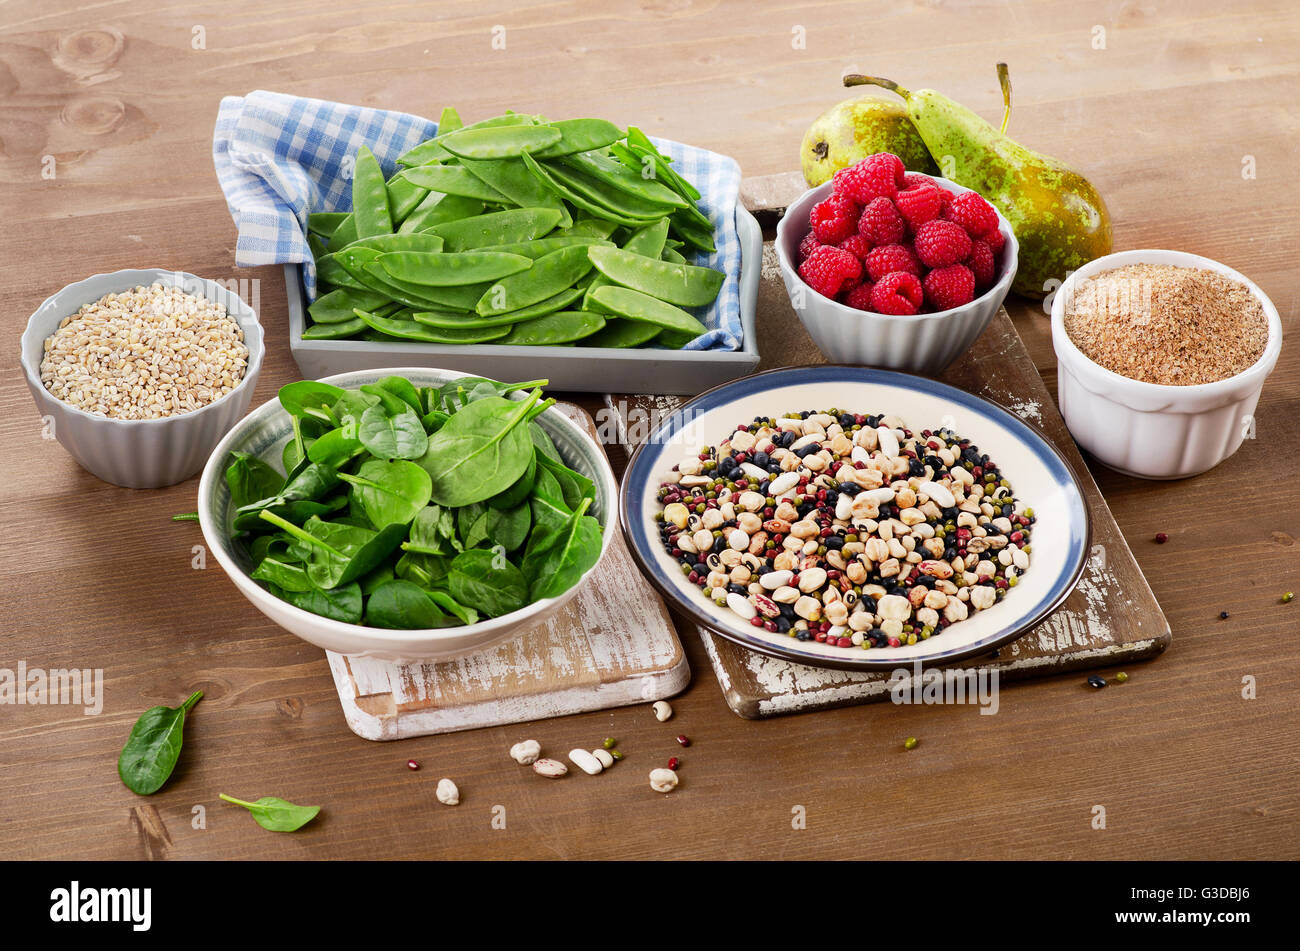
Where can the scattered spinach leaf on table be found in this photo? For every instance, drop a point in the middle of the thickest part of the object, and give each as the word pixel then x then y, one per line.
pixel 154 746
pixel 278 815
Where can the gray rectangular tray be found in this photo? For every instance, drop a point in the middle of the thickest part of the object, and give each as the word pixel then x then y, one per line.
pixel 681 372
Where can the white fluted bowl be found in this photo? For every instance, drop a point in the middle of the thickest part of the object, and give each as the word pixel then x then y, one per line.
pixel 139 453
pixel 1146 429
pixel 922 343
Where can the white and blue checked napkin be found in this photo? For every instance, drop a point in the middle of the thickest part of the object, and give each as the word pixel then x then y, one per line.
pixel 279 157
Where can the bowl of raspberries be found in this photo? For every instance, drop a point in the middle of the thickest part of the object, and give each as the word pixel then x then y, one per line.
pixel 892 268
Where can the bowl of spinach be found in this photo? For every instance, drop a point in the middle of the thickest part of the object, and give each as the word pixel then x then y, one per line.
pixel 410 514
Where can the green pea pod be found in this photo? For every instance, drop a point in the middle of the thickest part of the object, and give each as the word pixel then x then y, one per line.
pixel 431 150
pixel 561 327
pixel 697 235
pixel 634 305
pixel 438 208
pixel 606 195
pixel 576 198
pixel 551 274
pixel 499 227
pixel 674 339
pixel 449 121
pixel 544 246
pixel 639 141
pixel 619 176
pixel 342 331
pixel 370 196
pixel 403 197
pixel 455 180
pixel 581 135
pixel 672 256
pixel 460 299
pixel 336 307
pixel 621 334
pixel 418 241
pixel 329 270
pixel 442 319
pixel 457 268
pixel 154 746
pixel 595 227
pixel 647 241
pixel 682 284
pixel 500 142
pixel 325 223
pixel 520 187
pixel 345 233
pixel 411 330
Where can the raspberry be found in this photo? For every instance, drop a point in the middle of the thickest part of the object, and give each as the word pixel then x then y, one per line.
pixel 875 176
pixel 920 204
pixel 995 241
pixel 881 223
pixel 973 213
pixel 828 268
pixel 949 287
pixel 912 179
pixel 834 219
pixel 860 297
pixel 848 287
pixel 897 293
pixel 857 245
pixel 980 261
pixel 891 258
pixel 940 243
pixel 807 246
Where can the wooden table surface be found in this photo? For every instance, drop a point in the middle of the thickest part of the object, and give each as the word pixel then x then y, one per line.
pixel 1165 116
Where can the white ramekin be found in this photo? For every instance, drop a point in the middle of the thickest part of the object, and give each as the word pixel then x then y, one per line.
pixel 922 343
pixel 139 453
pixel 1146 429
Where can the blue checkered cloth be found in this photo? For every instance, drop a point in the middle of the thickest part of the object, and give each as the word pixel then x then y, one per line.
pixel 280 157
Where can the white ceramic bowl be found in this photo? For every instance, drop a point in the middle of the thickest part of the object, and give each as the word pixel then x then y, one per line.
pixel 144 453
pixel 1145 429
pixel 264 433
pixel 924 343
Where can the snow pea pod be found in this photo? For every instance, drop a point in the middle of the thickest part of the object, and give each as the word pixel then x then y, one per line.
pixel 438 208
pixel 498 227
pixel 625 302
pixel 455 180
pixel 621 334
pixel 683 284
pixel 560 327
pixel 620 203
pixel 460 298
pixel 594 209
pixel 510 178
pixel 540 309
pixel 403 197
pixel 442 269
pixel 595 227
pixel 344 234
pixel 418 241
pixel 339 331
pixel 362 263
pixel 550 275
pixel 614 173
pixel 673 256
pixel 449 121
pixel 544 246
pixel 581 135
pixel 329 270
pixel 647 241
pixel 410 330
pixel 336 307
pixel 674 339
pixel 697 234
pixel 431 150
pixel 370 196
pixel 639 141
pixel 500 141
pixel 325 223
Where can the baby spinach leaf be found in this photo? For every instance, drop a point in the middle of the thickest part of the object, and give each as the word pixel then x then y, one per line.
pixel 404 605
pixel 487 581
pixel 400 387
pixel 454 394
pixel 519 491
pixel 151 751
pixel 477 533
pixel 444 600
pixel 310 398
pixel 338 604
pixel 391 492
pixel 369 582
pixel 575 485
pixel 434 532
pixel 481 450
pixel 560 558
pixel 309 485
pixel 278 815
pixel 424 570
pixel 393 435
pixel 251 480
pixel 467 517
pixel 509 527
pixel 290 577
pixel 338 446
pixel 542 442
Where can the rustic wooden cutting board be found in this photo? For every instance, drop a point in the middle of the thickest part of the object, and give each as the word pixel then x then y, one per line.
pixel 613 644
pixel 1112 617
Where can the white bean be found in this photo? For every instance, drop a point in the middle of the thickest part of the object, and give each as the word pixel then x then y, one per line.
pixel 585 762
pixel 447 793
pixel 662 710
pixel 663 780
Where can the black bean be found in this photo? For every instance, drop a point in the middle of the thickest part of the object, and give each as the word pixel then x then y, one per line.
pixel 849 488
pixel 760 459
pixel 782 624
pixel 868 603
pixel 738 589
pixel 846 420
pixel 1097 682
pixel 915 468
pixel 833 542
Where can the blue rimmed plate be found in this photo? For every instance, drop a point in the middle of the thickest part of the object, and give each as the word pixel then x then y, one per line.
pixel 1037 473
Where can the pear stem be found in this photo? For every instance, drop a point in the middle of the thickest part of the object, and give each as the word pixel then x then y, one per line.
pixel 857 79
pixel 1004 80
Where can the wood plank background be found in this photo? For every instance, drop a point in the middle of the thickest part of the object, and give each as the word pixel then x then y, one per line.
pixel 1164 118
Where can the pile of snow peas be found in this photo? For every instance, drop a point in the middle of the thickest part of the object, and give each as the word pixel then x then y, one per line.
pixel 516 231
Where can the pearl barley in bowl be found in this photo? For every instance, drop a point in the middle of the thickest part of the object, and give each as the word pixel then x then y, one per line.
pixel 139 373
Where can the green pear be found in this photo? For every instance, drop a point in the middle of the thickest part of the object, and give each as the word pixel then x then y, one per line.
pixel 850 131
pixel 1057 215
